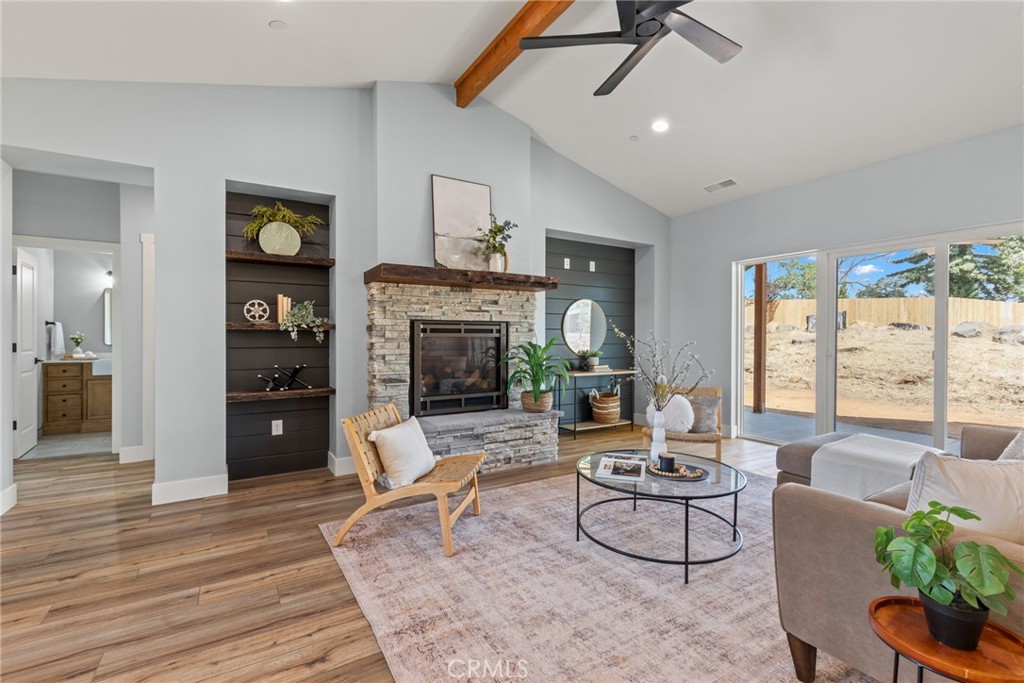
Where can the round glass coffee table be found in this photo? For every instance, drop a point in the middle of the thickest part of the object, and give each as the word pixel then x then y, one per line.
pixel 722 481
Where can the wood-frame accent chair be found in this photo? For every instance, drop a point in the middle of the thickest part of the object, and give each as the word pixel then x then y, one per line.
pixel 695 437
pixel 449 475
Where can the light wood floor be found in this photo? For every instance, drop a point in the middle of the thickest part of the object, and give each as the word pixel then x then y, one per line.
pixel 98 585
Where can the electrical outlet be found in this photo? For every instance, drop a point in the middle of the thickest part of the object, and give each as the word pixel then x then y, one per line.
pixel 276 427
pixel 567 264
pixel 593 267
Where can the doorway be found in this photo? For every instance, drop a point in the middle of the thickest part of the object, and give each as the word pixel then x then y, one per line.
pixel 65 347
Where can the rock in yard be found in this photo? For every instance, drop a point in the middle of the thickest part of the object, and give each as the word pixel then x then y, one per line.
pixel 785 328
pixel 969 330
pixel 1012 327
pixel 907 326
pixel 1009 337
pixel 802 339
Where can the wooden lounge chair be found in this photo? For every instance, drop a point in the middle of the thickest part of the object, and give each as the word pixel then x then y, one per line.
pixel 714 437
pixel 448 476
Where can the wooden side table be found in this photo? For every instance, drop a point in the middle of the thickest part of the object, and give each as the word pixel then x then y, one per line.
pixel 899 622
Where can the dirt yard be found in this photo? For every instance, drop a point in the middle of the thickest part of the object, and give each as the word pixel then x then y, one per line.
pixel 887 374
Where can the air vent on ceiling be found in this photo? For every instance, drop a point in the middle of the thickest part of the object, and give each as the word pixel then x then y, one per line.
pixel 724 185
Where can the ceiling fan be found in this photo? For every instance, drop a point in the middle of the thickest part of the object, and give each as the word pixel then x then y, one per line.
pixel 643 23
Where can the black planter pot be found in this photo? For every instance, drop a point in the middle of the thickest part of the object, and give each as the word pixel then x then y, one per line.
pixel 958 628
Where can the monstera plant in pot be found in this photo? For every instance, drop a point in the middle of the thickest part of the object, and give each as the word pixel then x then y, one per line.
pixel 536 369
pixel 958 585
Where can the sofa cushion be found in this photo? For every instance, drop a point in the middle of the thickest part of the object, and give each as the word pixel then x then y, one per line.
pixel 1015 451
pixel 894 496
pixel 795 456
pixel 992 489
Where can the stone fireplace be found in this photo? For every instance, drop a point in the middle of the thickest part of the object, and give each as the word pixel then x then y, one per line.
pixel 399 298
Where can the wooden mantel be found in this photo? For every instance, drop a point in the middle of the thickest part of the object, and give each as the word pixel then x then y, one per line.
pixel 450 277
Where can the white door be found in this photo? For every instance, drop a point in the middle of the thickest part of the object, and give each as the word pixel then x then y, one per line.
pixel 26 333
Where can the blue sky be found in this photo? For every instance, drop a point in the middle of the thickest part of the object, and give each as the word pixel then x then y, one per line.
pixel 865 272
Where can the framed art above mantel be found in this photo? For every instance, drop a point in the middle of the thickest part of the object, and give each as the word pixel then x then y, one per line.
pixel 461 210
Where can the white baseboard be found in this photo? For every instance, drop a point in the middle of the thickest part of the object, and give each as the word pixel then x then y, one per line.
pixel 189 489
pixel 339 467
pixel 8 498
pixel 134 454
pixel 730 431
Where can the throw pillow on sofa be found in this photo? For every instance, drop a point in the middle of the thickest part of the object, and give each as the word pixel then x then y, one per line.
pixel 403 452
pixel 992 489
pixel 1015 449
pixel 678 414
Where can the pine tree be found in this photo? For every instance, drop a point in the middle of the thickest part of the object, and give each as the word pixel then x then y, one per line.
pixel 996 275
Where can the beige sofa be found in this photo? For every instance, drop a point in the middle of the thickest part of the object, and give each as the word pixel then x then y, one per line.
pixel 826 571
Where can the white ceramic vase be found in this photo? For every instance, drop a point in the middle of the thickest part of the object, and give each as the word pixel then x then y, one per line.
pixel 658 445
pixel 496 263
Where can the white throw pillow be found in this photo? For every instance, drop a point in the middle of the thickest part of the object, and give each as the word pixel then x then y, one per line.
pixel 678 414
pixel 993 489
pixel 404 452
pixel 1015 449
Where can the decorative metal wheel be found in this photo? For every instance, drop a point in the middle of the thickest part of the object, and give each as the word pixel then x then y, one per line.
pixel 256 310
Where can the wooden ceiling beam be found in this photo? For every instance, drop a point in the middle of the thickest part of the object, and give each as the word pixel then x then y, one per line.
pixel 531 20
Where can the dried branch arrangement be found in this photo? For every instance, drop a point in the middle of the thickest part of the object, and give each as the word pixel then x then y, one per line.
pixel 659 369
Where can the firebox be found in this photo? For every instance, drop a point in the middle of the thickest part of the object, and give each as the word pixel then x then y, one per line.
pixel 456 366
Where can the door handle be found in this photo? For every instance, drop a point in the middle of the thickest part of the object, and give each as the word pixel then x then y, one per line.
pixel 37 361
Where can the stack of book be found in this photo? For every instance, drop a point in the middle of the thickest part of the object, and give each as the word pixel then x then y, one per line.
pixel 601 368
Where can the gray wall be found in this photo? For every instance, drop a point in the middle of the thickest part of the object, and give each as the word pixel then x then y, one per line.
pixel 70 208
pixel 7 487
pixel 373 151
pixel 79 279
pixel 137 217
pixel 195 138
pixel 974 182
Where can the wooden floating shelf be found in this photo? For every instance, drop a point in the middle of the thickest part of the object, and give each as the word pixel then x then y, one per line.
pixel 242 396
pixel 266 326
pixel 451 277
pixel 260 257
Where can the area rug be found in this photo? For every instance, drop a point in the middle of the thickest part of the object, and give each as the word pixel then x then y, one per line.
pixel 522 600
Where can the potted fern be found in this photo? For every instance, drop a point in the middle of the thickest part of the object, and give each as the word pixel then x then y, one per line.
pixel 279 229
pixel 302 317
pixel 958 585
pixel 536 369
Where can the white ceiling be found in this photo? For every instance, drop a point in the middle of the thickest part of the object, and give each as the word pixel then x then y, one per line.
pixel 820 87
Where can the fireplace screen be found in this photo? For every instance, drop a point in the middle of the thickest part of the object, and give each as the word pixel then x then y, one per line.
pixel 456 368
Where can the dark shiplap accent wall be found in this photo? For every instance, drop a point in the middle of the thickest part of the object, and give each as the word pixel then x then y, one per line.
pixel 251 450
pixel 612 286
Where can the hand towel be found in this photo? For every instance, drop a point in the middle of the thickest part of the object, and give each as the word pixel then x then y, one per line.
pixel 56 341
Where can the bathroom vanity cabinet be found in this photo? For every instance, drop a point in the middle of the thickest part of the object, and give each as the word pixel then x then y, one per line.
pixel 75 401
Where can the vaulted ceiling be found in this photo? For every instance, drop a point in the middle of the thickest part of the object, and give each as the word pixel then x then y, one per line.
pixel 820 87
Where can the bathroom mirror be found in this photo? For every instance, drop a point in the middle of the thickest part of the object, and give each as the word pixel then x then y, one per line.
pixel 584 326
pixel 107 336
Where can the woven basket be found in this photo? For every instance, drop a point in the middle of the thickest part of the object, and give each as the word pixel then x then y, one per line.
pixel 547 399
pixel 605 406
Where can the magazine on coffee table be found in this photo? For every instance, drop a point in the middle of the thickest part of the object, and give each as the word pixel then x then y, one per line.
pixel 623 467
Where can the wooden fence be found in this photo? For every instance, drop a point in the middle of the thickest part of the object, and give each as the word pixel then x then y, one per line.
pixel 881 312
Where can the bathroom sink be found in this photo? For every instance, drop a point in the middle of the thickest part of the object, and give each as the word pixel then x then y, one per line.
pixel 103 366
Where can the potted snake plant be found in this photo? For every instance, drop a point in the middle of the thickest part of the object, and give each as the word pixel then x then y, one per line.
pixel 958 585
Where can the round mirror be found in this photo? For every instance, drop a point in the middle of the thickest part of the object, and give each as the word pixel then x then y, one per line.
pixel 584 326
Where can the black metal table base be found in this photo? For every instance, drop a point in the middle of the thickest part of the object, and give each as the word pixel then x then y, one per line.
pixel 686 562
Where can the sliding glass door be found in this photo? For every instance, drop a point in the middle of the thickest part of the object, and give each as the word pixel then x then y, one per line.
pixel 906 339
pixel 884 345
pixel 779 323
pixel 986 333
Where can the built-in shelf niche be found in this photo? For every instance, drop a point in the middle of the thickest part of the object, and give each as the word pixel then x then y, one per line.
pixel 254 348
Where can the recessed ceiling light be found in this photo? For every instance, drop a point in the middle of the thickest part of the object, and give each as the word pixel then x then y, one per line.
pixel 277 25
pixel 659 126
pixel 634 138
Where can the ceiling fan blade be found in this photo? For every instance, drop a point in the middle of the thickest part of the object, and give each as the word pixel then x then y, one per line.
pixel 657 8
pixel 706 39
pixel 630 62
pixel 627 16
pixel 605 38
